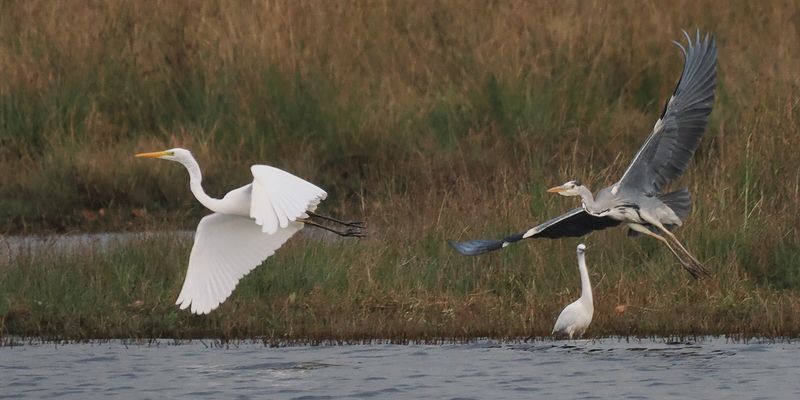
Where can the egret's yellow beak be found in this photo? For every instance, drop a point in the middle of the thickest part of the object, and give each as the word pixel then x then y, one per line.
pixel 155 154
pixel 557 189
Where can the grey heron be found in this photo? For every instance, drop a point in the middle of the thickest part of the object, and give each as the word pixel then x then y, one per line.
pixel 636 199
pixel 576 317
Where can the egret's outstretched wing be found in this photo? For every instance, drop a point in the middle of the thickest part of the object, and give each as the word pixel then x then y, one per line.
pixel 574 223
pixel 279 197
pixel 226 247
pixel 666 153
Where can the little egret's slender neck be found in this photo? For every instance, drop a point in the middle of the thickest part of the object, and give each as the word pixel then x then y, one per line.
pixel 196 183
pixel 586 286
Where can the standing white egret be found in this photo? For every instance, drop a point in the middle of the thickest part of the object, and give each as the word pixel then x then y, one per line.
pixel 247 226
pixel 576 317
pixel 637 198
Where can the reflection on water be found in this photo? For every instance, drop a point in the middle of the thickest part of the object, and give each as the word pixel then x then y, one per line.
pixel 608 368
pixel 14 246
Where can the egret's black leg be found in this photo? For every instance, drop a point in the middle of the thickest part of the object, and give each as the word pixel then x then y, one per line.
pixel 354 224
pixel 349 232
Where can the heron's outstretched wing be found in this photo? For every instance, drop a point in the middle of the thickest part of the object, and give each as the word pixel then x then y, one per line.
pixel 574 223
pixel 666 153
pixel 226 248
pixel 279 198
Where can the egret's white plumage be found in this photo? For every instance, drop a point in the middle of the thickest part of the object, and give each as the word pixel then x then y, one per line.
pixel 247 226
pixel 576 317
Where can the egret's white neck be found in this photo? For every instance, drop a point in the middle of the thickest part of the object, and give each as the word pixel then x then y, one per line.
pixel 586 286
pixel 196 184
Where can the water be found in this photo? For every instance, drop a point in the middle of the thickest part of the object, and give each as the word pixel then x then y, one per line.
pixel 14 246
pixel 608 368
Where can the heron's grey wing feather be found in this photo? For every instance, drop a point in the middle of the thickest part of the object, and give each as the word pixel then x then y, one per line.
pixel 666 153
pixel 576 222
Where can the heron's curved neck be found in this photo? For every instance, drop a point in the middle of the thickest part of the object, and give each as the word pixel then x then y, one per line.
pixel 586 286
pixel 586 197
pixel 196 184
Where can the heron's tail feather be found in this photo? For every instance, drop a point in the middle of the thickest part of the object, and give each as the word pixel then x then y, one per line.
pixel 680 201
pixel 482 246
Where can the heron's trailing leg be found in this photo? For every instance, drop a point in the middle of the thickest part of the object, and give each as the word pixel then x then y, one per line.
pixel 693 268
pixel 349 232
pixel 352 224
pixel 675 239
pixel 697 264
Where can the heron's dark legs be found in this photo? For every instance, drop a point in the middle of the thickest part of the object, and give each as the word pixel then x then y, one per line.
pixel 695 269
pixel 697 264
pixel 675 239
pixel 349 232
pixel 352 224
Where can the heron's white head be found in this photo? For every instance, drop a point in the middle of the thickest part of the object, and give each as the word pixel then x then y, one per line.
pixel 177 154
pixel 568 189
pixel 581 248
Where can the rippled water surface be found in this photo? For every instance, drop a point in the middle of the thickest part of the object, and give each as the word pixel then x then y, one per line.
pixel 609 368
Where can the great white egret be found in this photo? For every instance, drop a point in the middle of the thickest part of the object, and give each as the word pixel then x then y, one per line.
pixel 247 226
pixel 576 317
pixel 637 199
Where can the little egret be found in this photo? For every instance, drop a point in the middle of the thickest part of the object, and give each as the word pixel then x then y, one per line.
pixel 576 317
pixel 637 198
pixel 247 226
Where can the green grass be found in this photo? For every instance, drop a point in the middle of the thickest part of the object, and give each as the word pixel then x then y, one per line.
pixel 361 289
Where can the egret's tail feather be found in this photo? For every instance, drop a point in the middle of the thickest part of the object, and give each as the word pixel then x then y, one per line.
pixel 482 246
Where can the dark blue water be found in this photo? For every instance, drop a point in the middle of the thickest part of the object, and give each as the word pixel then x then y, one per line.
pixel 609 368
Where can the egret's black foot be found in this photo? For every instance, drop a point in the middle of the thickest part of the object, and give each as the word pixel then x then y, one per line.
pixel 352 224
pixel 355 232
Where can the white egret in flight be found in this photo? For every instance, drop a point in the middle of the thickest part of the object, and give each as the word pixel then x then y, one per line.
pixel 247 226
pixel 637 199
pixel 576 317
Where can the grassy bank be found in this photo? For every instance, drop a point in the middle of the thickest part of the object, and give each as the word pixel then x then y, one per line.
pixel 362 290
pixel 430 120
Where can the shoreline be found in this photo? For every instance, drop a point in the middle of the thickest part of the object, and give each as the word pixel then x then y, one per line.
pixel 210 343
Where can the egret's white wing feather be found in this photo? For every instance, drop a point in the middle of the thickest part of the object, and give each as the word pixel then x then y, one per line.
pixel 226 248
pixel 278 198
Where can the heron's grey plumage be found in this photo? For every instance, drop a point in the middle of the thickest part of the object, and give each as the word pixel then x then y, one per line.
pixel 574 223
pixel 636 199
pixel 666 153
pixel 679 201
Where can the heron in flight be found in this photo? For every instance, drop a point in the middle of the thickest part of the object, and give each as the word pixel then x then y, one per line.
pixel 636 199
pixel 576 317
pixel 247 226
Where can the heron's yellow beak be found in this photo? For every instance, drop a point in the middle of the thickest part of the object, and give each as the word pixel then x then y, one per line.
pixel 155 154
pixel 557 189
